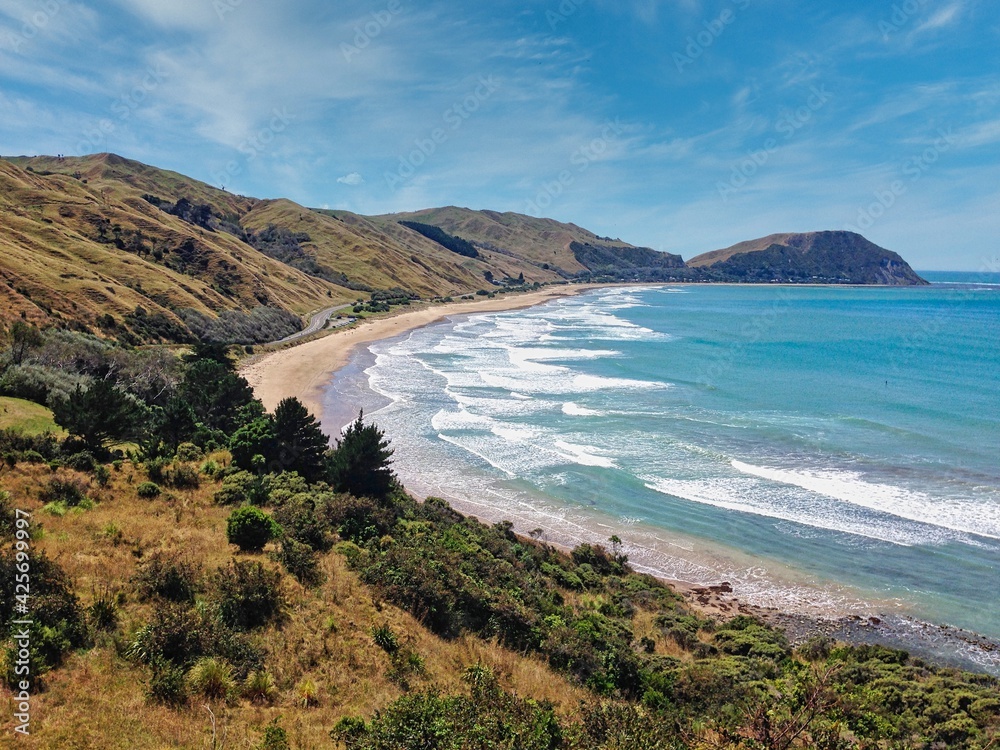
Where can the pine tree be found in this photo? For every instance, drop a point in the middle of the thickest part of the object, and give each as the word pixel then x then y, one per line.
pixel 101 415
pixel 360 463
pixel 300 444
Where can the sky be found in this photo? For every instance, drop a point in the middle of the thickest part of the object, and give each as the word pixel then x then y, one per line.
pixel 682 125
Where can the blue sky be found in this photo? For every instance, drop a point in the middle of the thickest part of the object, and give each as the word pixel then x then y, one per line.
pixel 686 125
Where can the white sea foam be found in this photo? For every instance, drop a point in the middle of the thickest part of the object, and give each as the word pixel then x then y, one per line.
pixel 571 409
pixel 732 493
pixel 585 455
pixel 967 516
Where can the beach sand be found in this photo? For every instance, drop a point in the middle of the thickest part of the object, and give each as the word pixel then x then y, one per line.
pixel 304 370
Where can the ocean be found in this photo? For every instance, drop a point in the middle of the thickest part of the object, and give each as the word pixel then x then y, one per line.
pixel 826 450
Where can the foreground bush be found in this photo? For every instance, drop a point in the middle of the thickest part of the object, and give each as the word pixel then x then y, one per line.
pixel 250 528
pixel 249 595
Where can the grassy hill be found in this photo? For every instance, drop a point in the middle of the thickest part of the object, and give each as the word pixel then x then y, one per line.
pixel 91 240
pixel 82 243
pixel 541 242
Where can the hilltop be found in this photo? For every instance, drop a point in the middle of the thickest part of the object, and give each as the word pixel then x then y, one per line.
pixel 820 257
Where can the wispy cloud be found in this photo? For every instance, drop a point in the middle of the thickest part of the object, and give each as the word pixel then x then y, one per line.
pixel 320 103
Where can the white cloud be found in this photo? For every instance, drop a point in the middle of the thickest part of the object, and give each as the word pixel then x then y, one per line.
pixel 351 179
pixel 944 17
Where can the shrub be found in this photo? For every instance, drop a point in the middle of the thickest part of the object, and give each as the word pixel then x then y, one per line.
pixel 212 678
pixel 167 577
pixel 181 476
pixel 308 694
pixel 148 490
pixel 103 612
pixel 250 528
pixel 7 515
pixel 102 474
pixel 385 639
pixel 300 521
pixel 70 492
pixel 176 634
pixel 259 688
pixel 188 452
pixel 167 684
pixel 82 461
pixel 40 384
pixel 300 560
pixel 249 595
pixel 241 487
pixel 275 738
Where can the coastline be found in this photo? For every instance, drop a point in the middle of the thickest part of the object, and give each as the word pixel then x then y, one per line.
pixel 303 370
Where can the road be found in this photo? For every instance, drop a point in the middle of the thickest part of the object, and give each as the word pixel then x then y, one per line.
pixel 316 323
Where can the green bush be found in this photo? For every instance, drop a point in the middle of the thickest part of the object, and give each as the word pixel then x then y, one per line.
pixel 250 528
pixel 241 487
pixel 300 560
pixel 248 594
pixel 275 738
pixel 260 688
pixel 82 461
pixel 385 638
pixel 181 476
pixel 188 452
pixel 69 491
pixel 167 577
pixel 148 490
pixel 167 684
pixel 176 634
pixel 211 678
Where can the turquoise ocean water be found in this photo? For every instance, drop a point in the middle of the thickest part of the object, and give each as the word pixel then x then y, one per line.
pixel 827 450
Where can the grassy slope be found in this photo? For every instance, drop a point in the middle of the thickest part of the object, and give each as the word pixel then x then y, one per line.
pixel 27 417
pixel 97 698
pixel 536 240
pixel 369 255
pixel 55 269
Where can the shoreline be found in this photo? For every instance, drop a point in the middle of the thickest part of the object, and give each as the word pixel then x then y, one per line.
pixel 305 371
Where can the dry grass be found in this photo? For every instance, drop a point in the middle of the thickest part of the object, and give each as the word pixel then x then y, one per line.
pixel 97 699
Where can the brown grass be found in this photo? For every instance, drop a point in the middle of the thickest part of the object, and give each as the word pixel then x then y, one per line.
pixel 97 699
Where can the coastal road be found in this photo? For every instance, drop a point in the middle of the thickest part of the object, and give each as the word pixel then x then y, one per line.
pixel 316 323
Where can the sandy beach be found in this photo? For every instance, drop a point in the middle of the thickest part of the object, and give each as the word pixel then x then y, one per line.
pixel 303 370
